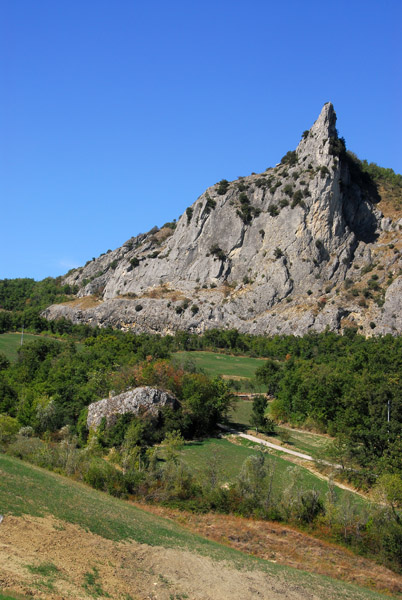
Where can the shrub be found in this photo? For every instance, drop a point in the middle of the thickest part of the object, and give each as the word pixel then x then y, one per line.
pixel 278 252
pixel 189 213
pixel 216 251
pixel 209 205
pixel 194 309
pixel 138 307
pixel 337 146
pixel 134 262
pixel 305 134
pixel 297 197
pixel 290 158
pixel 273 210
pixel 288 189
pixel 223 186
pixel 8 428
pixel 324 171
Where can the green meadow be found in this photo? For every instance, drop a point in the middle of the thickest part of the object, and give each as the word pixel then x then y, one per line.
pixel 229 458
pixel 240 368
pixel 11 342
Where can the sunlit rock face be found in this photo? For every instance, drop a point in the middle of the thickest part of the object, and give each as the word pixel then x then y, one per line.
pixel 276 252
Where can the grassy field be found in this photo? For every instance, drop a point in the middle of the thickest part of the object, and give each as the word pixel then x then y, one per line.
pixel 29 490
pixel 10 342
pixel 314 444
pixel 241 368
pixel 230 458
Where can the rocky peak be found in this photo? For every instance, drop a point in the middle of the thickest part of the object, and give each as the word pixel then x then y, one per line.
pixel 317 142
pixel 268 253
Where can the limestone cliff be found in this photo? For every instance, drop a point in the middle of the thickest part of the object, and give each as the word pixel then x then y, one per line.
pixel 299 247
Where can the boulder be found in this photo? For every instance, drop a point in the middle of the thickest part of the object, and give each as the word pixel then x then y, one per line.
pixel 141 401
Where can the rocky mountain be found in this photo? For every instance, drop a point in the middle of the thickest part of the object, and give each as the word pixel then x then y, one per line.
pixel 303 246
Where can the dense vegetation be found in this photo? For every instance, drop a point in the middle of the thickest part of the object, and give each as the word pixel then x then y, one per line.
pixel 346 385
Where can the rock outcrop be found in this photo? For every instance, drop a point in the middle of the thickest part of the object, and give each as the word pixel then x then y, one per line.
pixel 286 251
pixel 141 401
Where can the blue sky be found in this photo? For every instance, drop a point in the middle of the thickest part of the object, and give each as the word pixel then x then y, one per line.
pixel 115 116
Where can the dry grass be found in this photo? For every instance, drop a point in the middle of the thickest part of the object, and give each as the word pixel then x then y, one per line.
pixel 162 291
pixel 391 201
pixel 84 303
pixel 286 546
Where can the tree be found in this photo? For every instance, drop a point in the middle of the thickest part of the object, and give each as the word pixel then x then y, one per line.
pixel 258 416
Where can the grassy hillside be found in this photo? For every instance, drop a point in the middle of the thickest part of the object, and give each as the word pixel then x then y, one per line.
pixel 27 490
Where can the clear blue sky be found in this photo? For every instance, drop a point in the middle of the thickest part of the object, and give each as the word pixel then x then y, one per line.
pixel 116 115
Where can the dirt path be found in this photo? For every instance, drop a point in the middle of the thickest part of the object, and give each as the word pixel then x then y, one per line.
pixel 293 453
pixel 253 438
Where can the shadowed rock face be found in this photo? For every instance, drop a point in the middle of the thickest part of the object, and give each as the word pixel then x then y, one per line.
pixel 267 254
pixel 141 401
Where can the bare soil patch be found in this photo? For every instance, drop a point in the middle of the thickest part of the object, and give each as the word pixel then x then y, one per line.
pixel 50 559
pixel 286 546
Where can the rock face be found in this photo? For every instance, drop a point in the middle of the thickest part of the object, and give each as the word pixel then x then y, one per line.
pixel 286 251
pixel 142 401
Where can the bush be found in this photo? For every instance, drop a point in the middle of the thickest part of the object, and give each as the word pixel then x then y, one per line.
pixel 290 158
pixel 103 476
pixel 324 172
pixel 8 428
pixel 216 251
pixel 223 186
pixel 288 189
pixel 209 205
pixel 138 307
pixel 297 198
pixel 189 213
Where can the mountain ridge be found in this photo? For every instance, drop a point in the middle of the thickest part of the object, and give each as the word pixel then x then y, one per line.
pixel 299 247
